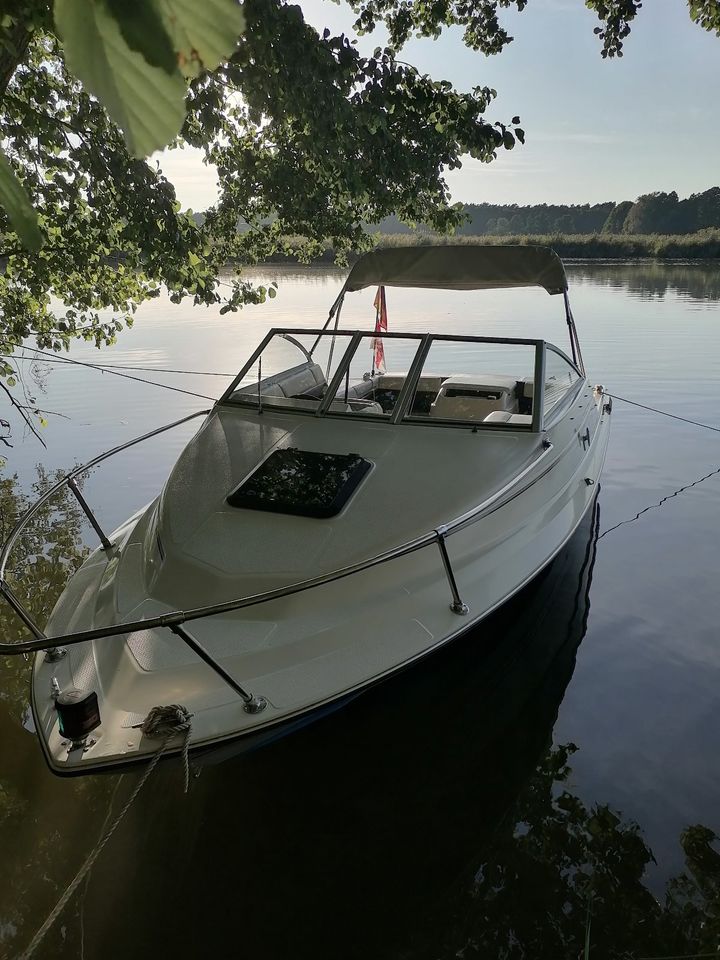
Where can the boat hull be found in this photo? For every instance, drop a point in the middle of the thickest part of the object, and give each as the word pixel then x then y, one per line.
pixel 373 625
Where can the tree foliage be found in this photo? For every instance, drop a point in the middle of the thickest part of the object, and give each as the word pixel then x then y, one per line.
pixel 304 130
pixel 49 550
pixel 616 17
pixel 651 213
pixel 311 138
pixel 665 213
pixel 556 862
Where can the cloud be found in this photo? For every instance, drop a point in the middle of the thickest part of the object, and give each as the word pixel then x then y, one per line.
pixel 507 164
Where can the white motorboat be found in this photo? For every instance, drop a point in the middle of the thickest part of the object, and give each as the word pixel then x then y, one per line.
pixel 330 524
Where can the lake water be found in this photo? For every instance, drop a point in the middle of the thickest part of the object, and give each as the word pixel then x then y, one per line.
pixel 557 771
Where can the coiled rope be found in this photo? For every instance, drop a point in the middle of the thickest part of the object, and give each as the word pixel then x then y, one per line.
pixel 165 722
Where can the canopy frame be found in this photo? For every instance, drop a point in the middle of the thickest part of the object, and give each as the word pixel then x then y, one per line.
pixel 467 267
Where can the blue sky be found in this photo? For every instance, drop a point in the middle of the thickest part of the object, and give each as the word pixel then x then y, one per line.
pixel 596 129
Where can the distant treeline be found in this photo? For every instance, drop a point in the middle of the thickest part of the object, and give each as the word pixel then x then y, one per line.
pixel 652 213
pixel 704 245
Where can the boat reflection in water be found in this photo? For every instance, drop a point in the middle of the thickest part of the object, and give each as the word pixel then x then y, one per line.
pixel 359 836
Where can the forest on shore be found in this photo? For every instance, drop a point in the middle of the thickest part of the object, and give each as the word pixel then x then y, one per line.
pixel 657 226
pixel 651 213
pixel 704 245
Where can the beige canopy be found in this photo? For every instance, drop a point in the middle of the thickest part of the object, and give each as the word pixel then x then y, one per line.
pixel 466 267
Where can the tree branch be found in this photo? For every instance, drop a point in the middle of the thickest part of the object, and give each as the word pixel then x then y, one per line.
pixel 22 413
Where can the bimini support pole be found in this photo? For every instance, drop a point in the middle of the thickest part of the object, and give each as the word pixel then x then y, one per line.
pixel 574 342
pixel 334 312
pixel 334 338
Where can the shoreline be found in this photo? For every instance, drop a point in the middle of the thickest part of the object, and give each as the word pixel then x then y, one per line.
pixel 582 247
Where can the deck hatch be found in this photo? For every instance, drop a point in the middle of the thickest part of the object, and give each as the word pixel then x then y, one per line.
pixel 302 482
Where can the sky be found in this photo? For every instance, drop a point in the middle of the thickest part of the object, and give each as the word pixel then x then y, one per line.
pixel 596 129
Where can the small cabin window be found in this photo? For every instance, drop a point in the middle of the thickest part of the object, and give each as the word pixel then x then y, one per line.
pixel 302 482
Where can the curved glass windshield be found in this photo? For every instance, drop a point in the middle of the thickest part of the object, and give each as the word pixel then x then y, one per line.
pixel 437 379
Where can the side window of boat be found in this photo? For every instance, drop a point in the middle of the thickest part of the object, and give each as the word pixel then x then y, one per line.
pixel 376 375
pixel 560 376
pixel 480 382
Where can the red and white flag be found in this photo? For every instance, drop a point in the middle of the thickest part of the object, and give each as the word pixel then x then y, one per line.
pixel 378 346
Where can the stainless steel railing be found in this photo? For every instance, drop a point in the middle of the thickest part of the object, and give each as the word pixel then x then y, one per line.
pixel 174 619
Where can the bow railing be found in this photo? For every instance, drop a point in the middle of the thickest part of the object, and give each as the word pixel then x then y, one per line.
pixel 175 619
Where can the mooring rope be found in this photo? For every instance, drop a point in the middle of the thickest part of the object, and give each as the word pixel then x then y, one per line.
pixel 654 506
pixel 119 366
pixel 164 722
pixel 687 486
pixel 663 413
pixel 116 373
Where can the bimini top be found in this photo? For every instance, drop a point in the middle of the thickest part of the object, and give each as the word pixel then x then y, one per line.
pixel 466 267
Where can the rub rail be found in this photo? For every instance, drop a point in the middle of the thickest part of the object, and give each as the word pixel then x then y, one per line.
pixel 175 618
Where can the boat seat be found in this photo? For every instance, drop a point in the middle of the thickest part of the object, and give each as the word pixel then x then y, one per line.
pixel 464 397
pixel 504 416
pixel 303 381
pixel 268 390
pixel 365 406
pixel 361 390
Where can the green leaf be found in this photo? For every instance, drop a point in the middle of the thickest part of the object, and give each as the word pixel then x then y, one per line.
pixel 17 205
pixel 143 30
pixel 147 103
pixel 203 32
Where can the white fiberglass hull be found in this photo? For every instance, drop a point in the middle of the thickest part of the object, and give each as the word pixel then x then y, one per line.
pixel 308 652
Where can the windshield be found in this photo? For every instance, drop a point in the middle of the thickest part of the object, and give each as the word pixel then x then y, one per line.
pixel 401 376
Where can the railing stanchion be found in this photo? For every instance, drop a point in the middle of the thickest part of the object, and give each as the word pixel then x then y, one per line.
pixel 89 514
pixel 253 704
pixel 21 611
pixel 51 653
pixel 457 605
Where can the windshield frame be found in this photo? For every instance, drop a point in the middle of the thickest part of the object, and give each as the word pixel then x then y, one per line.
pixel 400 412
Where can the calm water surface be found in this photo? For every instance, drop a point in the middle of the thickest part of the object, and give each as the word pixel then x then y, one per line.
pixel 558 765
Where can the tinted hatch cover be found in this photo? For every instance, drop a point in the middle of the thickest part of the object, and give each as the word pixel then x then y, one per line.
pixel 301 482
